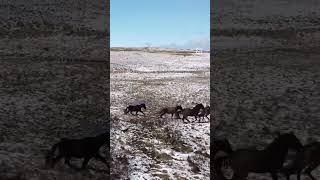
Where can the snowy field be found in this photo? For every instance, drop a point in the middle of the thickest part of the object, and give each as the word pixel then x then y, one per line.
pixel 150 147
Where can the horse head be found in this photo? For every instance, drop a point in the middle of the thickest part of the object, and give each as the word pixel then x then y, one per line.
pixel 290 140
pixel 178 107
pixel 143 106
pixel 199 106
pixel 103 137
pixel 221 145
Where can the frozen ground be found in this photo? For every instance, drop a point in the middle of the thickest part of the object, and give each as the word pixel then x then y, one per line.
pixel 150 147
pixel 265 72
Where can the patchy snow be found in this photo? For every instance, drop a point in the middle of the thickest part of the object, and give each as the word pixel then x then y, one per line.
pixel 156 148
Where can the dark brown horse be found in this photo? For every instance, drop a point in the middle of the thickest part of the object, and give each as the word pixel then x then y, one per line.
pixel 191 112
pixel 171 110
pixel 135 108
pixel 220 145
pixel 307 160
pixel 223 146
pixel 204 113
pixel 270 159
pixel 86 148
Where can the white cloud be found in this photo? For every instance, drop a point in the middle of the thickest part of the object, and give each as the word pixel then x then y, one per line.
pixel 199 42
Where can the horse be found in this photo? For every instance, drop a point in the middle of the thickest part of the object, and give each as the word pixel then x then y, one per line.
pixel 171 110
pixel 224 146
pixel 204 113
pixel 191 112
pixel 217 163
pixel 307 160
pixel 86 148
pixel 270 159
pixel 220 145
pixel 135 108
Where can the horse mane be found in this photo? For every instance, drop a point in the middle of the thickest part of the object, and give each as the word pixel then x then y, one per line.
pixel 277 142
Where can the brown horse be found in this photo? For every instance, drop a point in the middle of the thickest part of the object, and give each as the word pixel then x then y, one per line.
pixel 171 110
pixel 270 159
pixel 191 112
pixel 204 113
pixel 307 160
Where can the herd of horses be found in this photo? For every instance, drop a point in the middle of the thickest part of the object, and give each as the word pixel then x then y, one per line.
pixel 269 160
pixel 88 147
pixel 199 112
pixel 242 161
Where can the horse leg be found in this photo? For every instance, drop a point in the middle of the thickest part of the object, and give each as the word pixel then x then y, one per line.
pixel 55 160
pixel 67 161
pixel 85 162
pixel 308 172
pixel 298 175
pixel 131 113
pixel 274 175
pixel 142 113
pixel 177 114
pixel 288 176
pixel 186 119
pixel 183 118
pixel 102 159
pixel 239 176
pixel 196 118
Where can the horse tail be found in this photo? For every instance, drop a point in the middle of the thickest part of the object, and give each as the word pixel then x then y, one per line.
pixel 161 111
pixel 126 110
pixel 50 153
pixel 54 148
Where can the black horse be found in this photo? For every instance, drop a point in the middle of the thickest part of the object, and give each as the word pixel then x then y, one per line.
pixel 307 160
pixel 223 146
pixel 217 163
pixel 220 145
pixel 269 160
pixel 191 112
pixel 135 108
pixel 204 113
pixel 86 148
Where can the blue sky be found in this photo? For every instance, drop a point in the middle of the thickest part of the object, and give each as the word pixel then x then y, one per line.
pixel 162 23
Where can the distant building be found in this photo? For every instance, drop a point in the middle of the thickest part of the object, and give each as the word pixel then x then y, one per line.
pixel 198 51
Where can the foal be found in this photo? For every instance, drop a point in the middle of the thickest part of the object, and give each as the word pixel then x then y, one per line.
pixel 171 110
pixel 136 108
pixel 86 148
